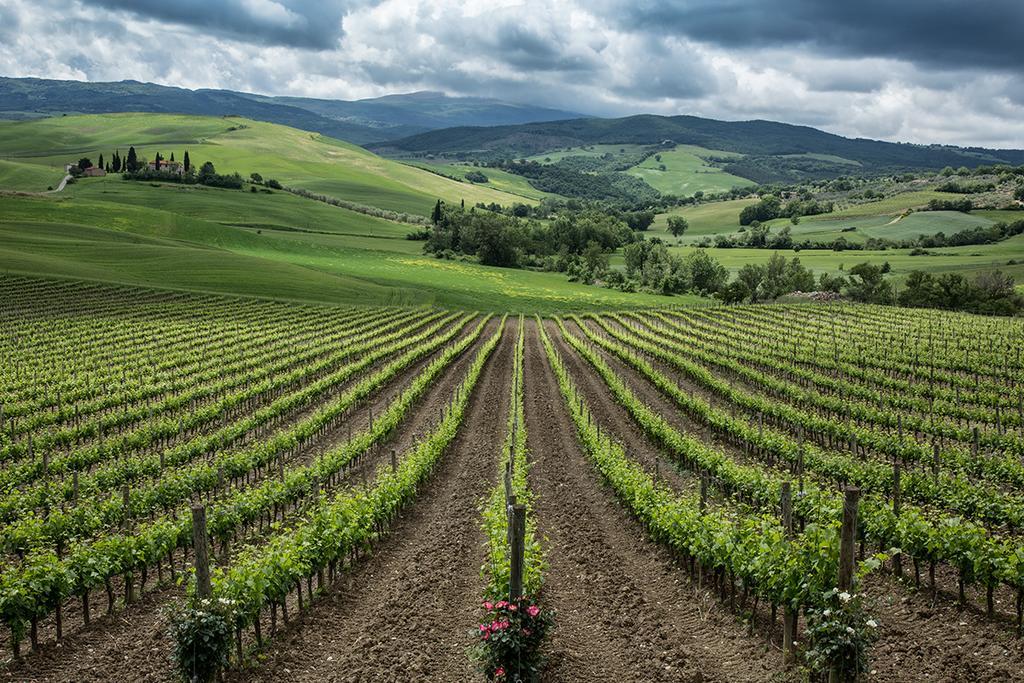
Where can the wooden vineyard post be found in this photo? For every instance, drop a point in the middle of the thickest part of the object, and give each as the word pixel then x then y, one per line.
pixel 394 460
pixel 202 553
pixel 703 490
pixel 935 461
pixel 847 541
pixel 788 613
pixel 787 508
pixel 897 560
pixel 518 549
pixel 848 537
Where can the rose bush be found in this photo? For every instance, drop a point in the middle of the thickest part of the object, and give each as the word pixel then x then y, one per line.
pixel 509 639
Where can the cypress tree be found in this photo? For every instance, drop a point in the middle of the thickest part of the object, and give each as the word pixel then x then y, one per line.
pixel 172 156
pixel 188 164
pixel 435 217
pixel 132 164
pixel 100 165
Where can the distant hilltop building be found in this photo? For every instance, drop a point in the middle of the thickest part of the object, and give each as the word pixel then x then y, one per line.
pixel 167 166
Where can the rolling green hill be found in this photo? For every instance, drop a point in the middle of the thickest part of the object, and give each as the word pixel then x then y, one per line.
pixel 772 151
pixel 687 169
pixel 278 246
pixel 28 177
pixel 496 178
pixel 294 157
pixel 272 244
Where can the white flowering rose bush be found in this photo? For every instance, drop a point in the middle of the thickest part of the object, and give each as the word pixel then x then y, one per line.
pixel 840 633
pixel 202 632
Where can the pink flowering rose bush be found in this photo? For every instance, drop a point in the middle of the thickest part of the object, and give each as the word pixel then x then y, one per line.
pixel 509 639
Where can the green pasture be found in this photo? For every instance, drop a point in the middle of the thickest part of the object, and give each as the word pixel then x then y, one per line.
pixel 969 260
pixel 496 178
pixel 16 175
pixel 294 157
pixel 157 236
pixel 687 171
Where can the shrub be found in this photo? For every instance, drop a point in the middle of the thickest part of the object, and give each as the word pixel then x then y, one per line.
pixel 840 633
pixel 509 639
pixel 202 639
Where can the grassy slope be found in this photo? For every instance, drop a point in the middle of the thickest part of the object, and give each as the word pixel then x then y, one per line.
pixel 704 219
pixel 108 229
pixel 279 210
pixel 871 219
pixel 15 175
pixel 496 178
pixel 229 241
pixel 686 172
pixel 294 157
pixel 968 260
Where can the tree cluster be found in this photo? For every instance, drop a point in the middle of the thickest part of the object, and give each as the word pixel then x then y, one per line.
pixel 963 205
pixel 620 187
pixel 504 240
pixel 991 293
pixel 650 267
pixel 766 281
pixel 770 206
pixel 207 175
pixel 956 187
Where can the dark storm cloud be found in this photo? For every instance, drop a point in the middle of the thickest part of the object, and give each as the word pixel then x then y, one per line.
pixel 8 22
pixel 528 49
pixel 942 71
pixel 935 33
pixel 307 24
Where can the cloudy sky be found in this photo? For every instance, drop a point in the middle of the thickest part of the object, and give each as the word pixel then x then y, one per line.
pixel 948 71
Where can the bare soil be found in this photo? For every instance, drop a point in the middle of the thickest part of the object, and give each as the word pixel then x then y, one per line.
pixel 625 612
pixel 406 612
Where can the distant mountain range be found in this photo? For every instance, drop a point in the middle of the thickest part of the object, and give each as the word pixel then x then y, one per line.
pixel 360 121
pixel 773 151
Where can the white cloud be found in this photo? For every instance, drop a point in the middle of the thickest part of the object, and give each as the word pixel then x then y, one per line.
pixel 560 53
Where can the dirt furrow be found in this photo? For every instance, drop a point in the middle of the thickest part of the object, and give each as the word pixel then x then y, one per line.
pixel 625 612
pixel 613 417
pixel 406 612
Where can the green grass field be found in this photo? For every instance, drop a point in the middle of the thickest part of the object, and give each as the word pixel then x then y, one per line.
pixel 704 219
pixel 292 156
pixel 496 178
pixel 112 230
pixel 282 246
pixel 16 175
pixel 880 219
pixel 687 171
pixel 969 260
